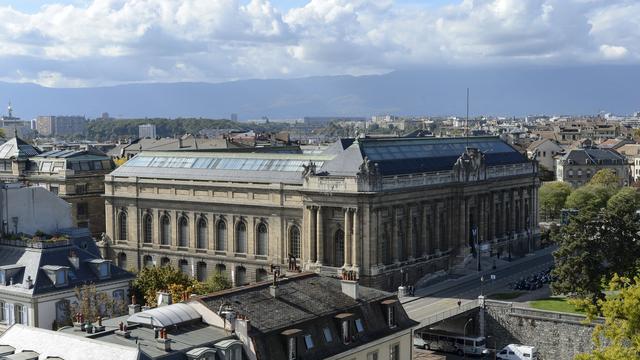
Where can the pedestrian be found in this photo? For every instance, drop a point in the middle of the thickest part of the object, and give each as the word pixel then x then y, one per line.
pixel 459 302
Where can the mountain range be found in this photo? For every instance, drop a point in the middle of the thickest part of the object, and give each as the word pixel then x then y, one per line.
pixel 493 91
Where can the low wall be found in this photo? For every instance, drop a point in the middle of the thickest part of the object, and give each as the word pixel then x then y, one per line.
pixel 557 336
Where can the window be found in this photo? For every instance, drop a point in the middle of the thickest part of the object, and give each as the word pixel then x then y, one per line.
pixel 147 229
pixel 359 325
pixel 183 265
pixel 104 270
pixel 261 275
pixel 147 261
pixel 308 341
pixel 346 333
pixel 81 189
pixel 372 355
pixel 82 210
pixel 54 189
pixel 262 240
pixel 20 314
pixel 391 316
pixel 61 277
pixel 202 234
pixel 394 352
pixel 294 242
pixel 221 269
pixel 339 247
pixel 201 271
pixel 241 238
pixel 165 230
pixel 327 335
pixel 292 348
pixel 2 316
pixel 241 276
pixel 165 261
pixel 122 226
pixel 221 236
pixel 122 260
pixel 183 232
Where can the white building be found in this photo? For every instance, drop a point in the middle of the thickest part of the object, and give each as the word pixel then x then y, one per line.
pixel 31 209
pixel 545 151
pixel 147 131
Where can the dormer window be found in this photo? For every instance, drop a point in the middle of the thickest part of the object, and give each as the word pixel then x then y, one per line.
pixel 292 349
pixel 57 274
pixel 101 267
pixel 308 341
pixel 346 332
pixel 359 325
pixel 327 335
pixel 3 277
pixel 390 312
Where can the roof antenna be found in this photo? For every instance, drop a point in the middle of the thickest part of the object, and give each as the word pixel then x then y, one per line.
pixel 467 121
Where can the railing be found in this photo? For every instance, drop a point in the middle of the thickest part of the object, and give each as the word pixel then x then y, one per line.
pixel 451 312
pixel 36 244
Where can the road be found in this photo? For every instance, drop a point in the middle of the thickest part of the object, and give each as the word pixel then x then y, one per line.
pixel 440 297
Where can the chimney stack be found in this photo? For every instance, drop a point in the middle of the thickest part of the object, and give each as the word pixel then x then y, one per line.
pixel 164 298
pixel 350 285
pixel 163 342
pixel 74 259
pixel 133 308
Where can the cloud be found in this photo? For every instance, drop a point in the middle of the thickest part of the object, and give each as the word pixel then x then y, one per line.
pixel 103 42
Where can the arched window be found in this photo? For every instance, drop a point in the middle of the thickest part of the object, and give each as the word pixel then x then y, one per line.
pixel 261 275
pixel 262 241
pixel 241 276
pixel 183 265
pixel 122 226
pixel 201 271
pixel 122 260
pixel 294 242
pixel 165 261
pixel 241 238
pixel 147 226
pixel 183 232
pixel 202 242
pixel 221 269
pixel 147 261
pixel 339 246
pixel 221 236
pixel 165 230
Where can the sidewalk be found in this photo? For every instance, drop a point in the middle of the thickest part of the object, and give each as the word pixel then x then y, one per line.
pixel 446 284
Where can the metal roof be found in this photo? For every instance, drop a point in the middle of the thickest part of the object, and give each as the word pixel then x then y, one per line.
pixel 164 316
pixel 17 148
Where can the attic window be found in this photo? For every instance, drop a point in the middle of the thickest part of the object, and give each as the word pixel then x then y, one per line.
pixel 3 277
pixel 390 312
pixel 308 341
pixel 327 335
pixel 359 325
pixel 101 268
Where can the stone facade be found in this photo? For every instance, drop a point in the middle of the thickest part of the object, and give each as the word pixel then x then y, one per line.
pixel 361 219
pixel 556 336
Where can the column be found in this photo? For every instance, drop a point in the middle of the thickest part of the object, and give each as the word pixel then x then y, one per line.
pixel 319 236
pixel 312 232
pixel 409 248
pixel 522 210
pixel 395 243
pixel 436 241
pixel 356 239
pixel 424 228
pixel 348 228
pixel 379 237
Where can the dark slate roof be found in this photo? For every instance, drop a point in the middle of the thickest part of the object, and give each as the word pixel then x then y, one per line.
pixel 593 156
pixel 309 303
pixel 66 154
pixel 32 259
pixel 396 156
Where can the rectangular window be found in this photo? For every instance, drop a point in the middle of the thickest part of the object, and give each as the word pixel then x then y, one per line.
pixel 61 277
pixel 81 189
pixel 391 316
pixel 82 209
pixel 346 336
pixel 54 189
pixel 293 351
pixel 394 352
pixel 308 341
pixel 2 316
pixel 327 335
pixel 372 355
pixel 359 325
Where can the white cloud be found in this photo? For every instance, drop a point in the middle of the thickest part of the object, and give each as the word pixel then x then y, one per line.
pixel 114 41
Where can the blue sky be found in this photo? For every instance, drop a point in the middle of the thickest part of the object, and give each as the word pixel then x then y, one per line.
pixel 105 42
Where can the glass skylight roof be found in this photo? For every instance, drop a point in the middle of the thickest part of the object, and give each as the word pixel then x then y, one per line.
pixel 183 162
pixel 432 149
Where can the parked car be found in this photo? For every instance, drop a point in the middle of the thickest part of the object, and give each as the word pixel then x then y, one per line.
pixel 517 352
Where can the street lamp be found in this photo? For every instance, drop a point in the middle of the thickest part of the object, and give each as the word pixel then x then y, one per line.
pixel 474 232
pixel 481 285
pixel 464 334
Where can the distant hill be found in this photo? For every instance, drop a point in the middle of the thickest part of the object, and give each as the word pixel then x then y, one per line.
pixel 494 91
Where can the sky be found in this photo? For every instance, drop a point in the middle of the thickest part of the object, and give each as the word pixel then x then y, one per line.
pixel 80 43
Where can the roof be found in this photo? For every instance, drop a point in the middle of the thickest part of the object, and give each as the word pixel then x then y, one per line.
pixel 33 262
pixel 299 299
pixel 17 148
pixel 592 156
pixel 165 316
pixel 49 343
pixel 84 154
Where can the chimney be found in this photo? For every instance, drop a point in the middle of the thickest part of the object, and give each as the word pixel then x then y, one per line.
pixel 163 342
pixel 133 308
pixel 74 259
pixel 349 284
pixel 164 298
pixel 123 331
pixel 28 284
pixel 274 290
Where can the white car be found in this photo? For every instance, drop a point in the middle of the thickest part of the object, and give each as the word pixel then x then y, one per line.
pixel 517 352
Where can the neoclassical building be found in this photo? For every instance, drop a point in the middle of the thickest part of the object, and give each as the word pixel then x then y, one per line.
pixel 371 205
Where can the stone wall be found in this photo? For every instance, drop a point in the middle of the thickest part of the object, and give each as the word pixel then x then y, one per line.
pixel 557 336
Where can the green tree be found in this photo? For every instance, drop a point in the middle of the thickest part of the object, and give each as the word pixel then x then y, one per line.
pixel 552 198
pixel 625 202
pixel 152 279
pixel 590 198
pixel 621 328
pixel 605 177
pixel 214 283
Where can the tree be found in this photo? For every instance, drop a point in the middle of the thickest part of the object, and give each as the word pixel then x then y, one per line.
pixel 621 328
pixel 152 279
pixel 93 304
pixel 605 177
pixel 590 198
pixel 552 198
pixel 214 283
pixel 595 245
